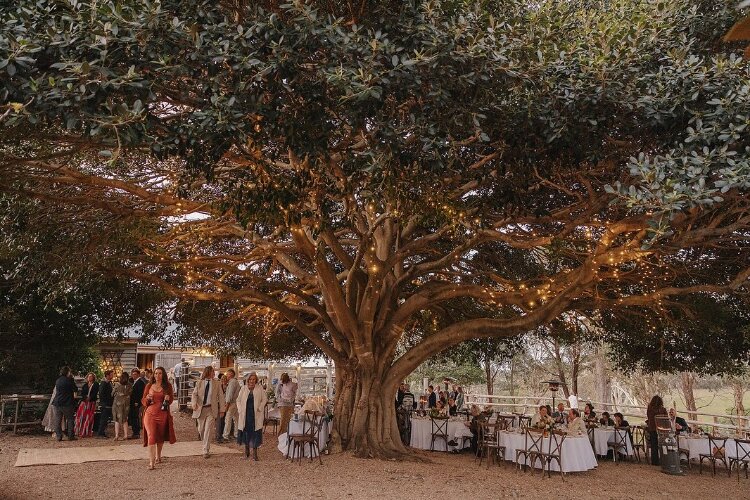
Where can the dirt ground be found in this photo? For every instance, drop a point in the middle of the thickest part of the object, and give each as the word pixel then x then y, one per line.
pixel 340 476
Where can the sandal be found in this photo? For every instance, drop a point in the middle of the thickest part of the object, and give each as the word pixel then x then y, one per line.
pixel 151 466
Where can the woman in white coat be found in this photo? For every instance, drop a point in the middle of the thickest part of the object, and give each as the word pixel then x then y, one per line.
pixel 251 404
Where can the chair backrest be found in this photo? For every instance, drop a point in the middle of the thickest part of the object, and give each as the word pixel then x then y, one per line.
pixel 524 422
pixel 534 440
pixel 309 422
pixel 742 448
pixel 639 435
pixel 439 425
pixel 504 422
pixel 621 436
pixel 717 446
pixel 488 432
pixel 556 439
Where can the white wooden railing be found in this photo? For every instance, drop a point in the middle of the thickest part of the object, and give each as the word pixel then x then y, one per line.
pixel 527 405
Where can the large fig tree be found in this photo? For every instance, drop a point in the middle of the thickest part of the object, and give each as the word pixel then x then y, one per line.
pixel 351 170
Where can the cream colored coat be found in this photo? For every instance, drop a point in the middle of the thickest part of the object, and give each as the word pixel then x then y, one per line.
pixel 259 402
pixel 215 398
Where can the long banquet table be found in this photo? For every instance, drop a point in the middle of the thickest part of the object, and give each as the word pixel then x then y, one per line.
pixel 577 454
pixel 421 434
pixel 698 445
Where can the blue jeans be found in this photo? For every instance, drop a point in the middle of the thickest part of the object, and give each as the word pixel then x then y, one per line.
pixel 104 419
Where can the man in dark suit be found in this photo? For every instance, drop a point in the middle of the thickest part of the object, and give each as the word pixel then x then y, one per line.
pixel 106 399
pixel 64 404
pixel 134 415
pixel 432 398
pixel 679 424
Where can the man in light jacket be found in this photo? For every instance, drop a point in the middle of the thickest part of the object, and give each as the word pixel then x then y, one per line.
pixel 207 405
pixel 233 390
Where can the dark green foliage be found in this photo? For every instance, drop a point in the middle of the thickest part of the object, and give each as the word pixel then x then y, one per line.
pixel 703 334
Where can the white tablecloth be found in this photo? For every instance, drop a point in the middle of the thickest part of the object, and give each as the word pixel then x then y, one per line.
pixel 700 445
pixel 296 428
pixel 421 434
pixel 602 436
pixel 577 455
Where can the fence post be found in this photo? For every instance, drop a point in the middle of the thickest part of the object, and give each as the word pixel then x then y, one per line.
pixel 15 420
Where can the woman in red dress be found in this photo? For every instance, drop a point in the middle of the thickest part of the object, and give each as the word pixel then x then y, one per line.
pixel 157 419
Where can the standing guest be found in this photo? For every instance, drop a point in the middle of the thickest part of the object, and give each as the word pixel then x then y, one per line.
pixel 455 391
pixel 606 420
pixel 400 395
pixel 589 415
pixel 408 402
pixel 134 416
pixel 431 398
pixel 158 425
pixel 223 380
pixel 207 406
pixel 87 407
pixel 655 409
pixel 64 404
pixel 576 425
pixel 178 370
pixel 460 398
pixel 452 408
pixel 230 398
pixel 286 393
pixel 121 404
pixel 48 420
pixel 106 399
pixel 573 401
pixel 251 404
pixel 679 424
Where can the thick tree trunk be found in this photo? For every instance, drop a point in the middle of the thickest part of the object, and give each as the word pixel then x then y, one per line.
pixel 364 417
pixel 687 382
pixel 489 378
pixel 560 365
pixel 738 390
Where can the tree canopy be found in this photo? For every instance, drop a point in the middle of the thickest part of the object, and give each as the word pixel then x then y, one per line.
pixel 348 173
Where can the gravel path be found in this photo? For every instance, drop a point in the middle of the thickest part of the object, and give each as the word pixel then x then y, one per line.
pixel 340 476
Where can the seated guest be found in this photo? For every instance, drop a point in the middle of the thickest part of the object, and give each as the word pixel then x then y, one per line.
pixel 441 397
pixel 679 424
pixel 473 426
pixel 452 408
pixel 576 425
pixel 620 420
pixel 589 414
pixel 605 420
pixel 541 419
pixel 560 416
pixel 442 410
